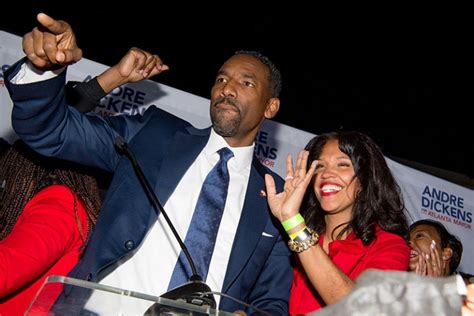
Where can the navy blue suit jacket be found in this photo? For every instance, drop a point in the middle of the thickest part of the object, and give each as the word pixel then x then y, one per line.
pixel 259 270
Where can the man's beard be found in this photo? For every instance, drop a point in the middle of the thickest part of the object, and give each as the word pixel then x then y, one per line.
pixel 222 125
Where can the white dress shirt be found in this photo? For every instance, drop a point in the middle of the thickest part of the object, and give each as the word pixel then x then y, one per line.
pixel 150 269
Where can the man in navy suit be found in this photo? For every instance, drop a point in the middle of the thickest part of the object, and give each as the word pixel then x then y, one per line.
pixel 131 246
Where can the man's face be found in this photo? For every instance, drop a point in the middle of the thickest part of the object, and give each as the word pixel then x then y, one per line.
pixel 241 99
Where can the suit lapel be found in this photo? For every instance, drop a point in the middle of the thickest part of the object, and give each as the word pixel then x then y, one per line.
pixel 251 225
pixel 175 163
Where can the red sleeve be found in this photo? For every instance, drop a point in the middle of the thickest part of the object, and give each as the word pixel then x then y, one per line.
pixel 389 252
pixel 43 233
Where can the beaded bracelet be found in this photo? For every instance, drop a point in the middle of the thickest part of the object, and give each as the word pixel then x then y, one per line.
pixel 309 239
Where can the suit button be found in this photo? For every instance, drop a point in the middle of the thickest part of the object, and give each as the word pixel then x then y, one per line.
pixel 129 245
pixel 89 277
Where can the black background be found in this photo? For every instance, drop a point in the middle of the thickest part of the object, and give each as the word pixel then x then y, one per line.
pixel 396 73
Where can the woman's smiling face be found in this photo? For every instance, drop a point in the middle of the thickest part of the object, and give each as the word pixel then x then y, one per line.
pixel 335 184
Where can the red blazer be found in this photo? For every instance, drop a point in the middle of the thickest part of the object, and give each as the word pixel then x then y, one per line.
pixel 44 241
pixel 387 252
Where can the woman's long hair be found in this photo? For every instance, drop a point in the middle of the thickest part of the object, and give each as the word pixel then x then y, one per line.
pixel 379 201
pixel 23 173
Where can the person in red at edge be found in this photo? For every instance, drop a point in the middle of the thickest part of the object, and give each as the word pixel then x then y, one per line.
pixel 47 210
pixel 352 217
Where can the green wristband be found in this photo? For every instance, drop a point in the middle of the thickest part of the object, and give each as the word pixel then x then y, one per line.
pixel 292 222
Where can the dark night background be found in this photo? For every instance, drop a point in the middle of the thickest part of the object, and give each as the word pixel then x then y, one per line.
pixel 397 74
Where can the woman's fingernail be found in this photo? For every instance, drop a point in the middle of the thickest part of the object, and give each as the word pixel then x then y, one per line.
pixel 433 244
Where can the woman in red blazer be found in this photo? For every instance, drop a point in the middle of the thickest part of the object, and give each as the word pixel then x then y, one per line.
pixel 47 210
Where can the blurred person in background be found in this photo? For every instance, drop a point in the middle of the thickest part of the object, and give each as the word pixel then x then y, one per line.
pixel 48 209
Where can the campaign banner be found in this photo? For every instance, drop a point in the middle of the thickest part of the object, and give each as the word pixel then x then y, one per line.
pixel 425 196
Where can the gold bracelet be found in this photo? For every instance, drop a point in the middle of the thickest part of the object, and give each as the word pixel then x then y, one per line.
pixel 312 238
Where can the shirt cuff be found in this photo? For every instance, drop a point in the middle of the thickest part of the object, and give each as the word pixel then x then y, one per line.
pixel 30 74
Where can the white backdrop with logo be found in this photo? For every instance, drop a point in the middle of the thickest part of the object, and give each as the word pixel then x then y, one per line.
pixel 425 196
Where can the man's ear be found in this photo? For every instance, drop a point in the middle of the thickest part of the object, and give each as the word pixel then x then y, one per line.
pixel 272 108
pixel 447 253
